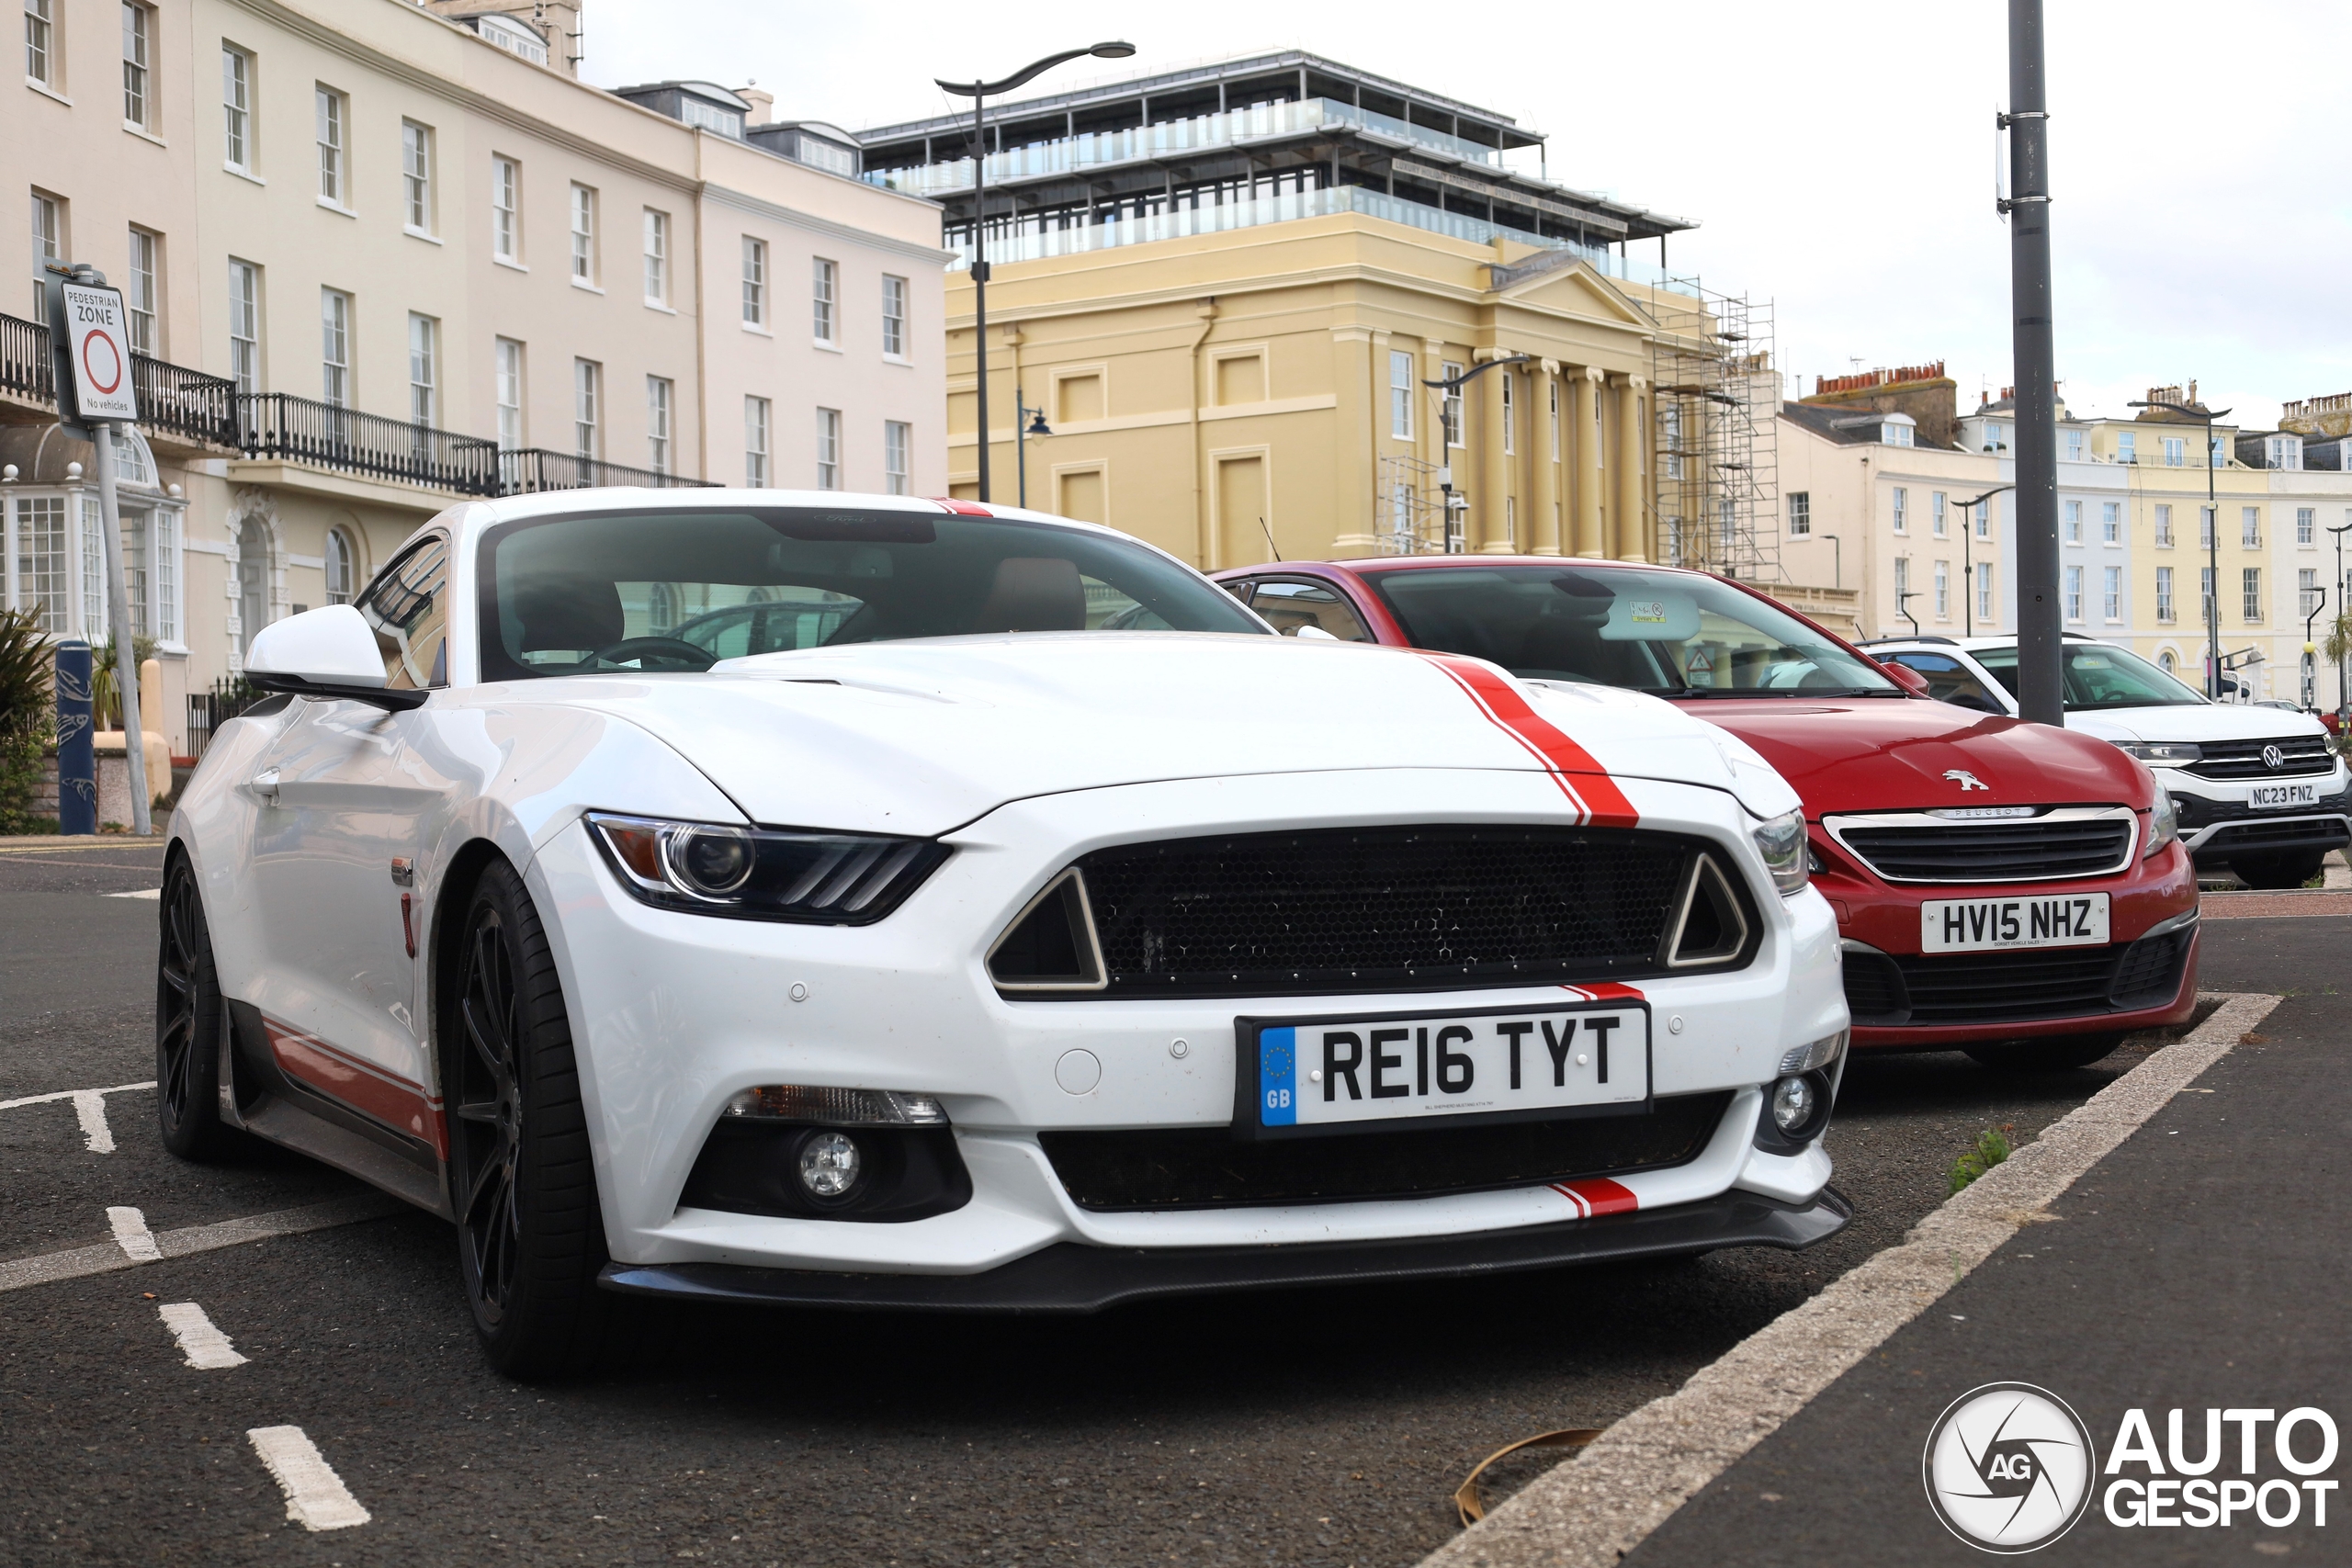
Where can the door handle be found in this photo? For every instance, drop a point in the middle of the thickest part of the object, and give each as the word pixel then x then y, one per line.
pixel 265 785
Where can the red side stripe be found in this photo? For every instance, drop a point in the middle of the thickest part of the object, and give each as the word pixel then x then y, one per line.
pixel 1593 791
pixel 1607 991
pixel 1602 1196
pixel 365 1088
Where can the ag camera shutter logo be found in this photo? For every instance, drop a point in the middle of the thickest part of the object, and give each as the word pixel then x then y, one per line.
pixel 2009 1467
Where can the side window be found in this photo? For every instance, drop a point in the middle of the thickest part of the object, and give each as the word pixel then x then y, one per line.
pixel 1288 604
pixel 408 609
pixel 1950 680
pixel 1240 587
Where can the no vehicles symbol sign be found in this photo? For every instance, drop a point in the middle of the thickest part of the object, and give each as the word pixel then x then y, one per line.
pixel 98 345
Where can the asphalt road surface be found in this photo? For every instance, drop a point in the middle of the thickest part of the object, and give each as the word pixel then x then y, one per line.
pixel 1326 1427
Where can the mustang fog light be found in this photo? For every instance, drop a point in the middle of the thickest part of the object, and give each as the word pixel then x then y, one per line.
pixel 1820 1053
pixel 1792 1103
pixel 837 1107
pixel 830 1164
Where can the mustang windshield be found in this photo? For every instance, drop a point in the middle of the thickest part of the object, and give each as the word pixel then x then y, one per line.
pixel 2096 675
pixel 1671 633
pixel 680 589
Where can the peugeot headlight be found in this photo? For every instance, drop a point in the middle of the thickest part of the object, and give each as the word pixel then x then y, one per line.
pixel 1782 842
pixel 2171 753
pixel 2163 822
pixel 764 874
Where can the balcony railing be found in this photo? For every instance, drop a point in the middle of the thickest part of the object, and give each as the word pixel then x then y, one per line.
pixel 24 359
pixel 281 426
pixel 187 403
pixel 530 470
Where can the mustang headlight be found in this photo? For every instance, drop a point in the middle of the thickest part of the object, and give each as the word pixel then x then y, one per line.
pixel 2174 753
pixel 2164 823
pixel 1783 844
pixel 764 874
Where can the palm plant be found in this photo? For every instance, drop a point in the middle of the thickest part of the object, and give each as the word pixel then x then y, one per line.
pixel 26 717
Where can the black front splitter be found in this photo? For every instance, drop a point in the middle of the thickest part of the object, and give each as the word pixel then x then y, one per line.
pixel 1071 1277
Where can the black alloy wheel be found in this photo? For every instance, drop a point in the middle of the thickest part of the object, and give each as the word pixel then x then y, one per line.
pixel 2057 1055
pixel 530 1234
pixel 190 1022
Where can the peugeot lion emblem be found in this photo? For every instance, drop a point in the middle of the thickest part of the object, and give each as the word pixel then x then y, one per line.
pixel 2272 758
pixel 1966 780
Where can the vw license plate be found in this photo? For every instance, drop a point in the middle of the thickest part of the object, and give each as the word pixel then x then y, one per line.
pixel 2281 797
pixel 1979 925
pixel 1329 1074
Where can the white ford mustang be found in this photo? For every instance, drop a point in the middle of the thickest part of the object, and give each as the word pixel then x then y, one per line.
pixel 841 900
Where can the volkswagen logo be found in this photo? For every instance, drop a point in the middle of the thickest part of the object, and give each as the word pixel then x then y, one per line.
pixel 2272 758
pixel 2009 1467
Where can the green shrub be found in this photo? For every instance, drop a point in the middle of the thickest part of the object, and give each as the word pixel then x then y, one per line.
pixel 105 703
pixel 1991 1150
pixel 27 716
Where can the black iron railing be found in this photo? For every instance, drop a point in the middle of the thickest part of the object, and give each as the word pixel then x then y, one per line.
pixel 534 468
pixel 24 359
pixel 281 426
pixel 207 711
pixel 187 403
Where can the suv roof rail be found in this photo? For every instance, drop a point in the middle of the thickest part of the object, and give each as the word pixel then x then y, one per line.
pixel 1874 642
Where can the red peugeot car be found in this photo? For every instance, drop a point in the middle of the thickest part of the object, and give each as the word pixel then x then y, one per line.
pixel 2008 889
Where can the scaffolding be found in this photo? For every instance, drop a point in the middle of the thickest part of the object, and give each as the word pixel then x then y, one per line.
pixel 1418 512
pixel 1718 410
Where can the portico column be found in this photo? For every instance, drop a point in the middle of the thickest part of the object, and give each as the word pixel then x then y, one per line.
pixel 1628 515
pixel 1486 513
pixel 1544 528
pixel 1585 431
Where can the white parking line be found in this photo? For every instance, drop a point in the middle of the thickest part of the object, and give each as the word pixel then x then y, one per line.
pixel 89 1109
pixel 155 893
pixel 206 1348
pixel 316 1497
pixel 74 1263
pixel 130 1233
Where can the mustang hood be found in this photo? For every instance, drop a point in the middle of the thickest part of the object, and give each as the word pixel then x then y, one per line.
pixel 1885 754
pixel 923 737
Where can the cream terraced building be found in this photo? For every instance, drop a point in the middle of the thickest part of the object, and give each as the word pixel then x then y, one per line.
pixel 381 257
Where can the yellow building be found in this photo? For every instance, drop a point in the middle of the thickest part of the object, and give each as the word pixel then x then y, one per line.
pixel 1227 290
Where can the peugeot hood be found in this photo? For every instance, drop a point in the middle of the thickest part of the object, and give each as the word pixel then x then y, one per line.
pixel 923 737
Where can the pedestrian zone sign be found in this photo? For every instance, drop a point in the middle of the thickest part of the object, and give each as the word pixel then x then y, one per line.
pixel 99 343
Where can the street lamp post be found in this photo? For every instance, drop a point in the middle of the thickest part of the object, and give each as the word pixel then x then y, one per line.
pixel 2213 538
pixel 1836 561
pixel 1967 560
pixel 979 92
pixel 1454 384
pixel 2343 696
pixel 1024 427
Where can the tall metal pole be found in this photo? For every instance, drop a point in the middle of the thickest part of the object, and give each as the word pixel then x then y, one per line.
pixel 2213 571
pixel 980 278
pixel 126 652
pixel 2041 698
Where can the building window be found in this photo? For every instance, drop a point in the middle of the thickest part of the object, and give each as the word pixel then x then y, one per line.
pixel 2073 593
pixel 1800 514
pixel 894 317
pixel 1936 505
pixel 2164 524
pixel 423 405
pixel 1895 434
pixel 1983 509
pixel 2250 595
pixel 138 293
pixel 657 390
pixel 2175 452
pixel 329 112
pixel 163 542
pixel 2283 451
pixel 2073 446
pixel 1450 408
pixel 1902 585
pixel 584 235
pixel 138 27
pixel 1669 418
pixel 2215 457
pixel 829 449
pixel 1510 412
pixel 822 277
pixel 755 282
pixel 1943 591
pixel 42 561
pixel 2167 662
pixel 244 325
pixel 587 396
pixel 1400 397
pixel 2250 526
pixel 897 436
pixel 2127 446
pixel 2206 523
pixel 416 177
pixel 1902 510
pixel 2072 513
pixel 2164 611
pixel 508 374
pixel 40 36
pixel 2306 524
pixel 2110 521
pixel 48 245
pixel 335 346
pixel 657 257
pixel 339 566
pixel 1943 523
pixel 2112 591
pixel 2208 611
pixel 755 442
pixel 1985 591
pixel 236 107
pixel 505 209
pixel 2307 591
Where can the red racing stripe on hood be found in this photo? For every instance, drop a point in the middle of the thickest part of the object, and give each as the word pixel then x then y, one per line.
pixel 1606 991
pixel 1599 1196
pixel 1582 778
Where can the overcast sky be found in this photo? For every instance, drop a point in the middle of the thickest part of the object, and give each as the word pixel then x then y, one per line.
pixel 1838 157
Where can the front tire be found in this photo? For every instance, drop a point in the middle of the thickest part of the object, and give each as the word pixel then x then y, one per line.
pixel 2279 872
pixel 2059 1055
pixel 190 1022
pixel 530 1233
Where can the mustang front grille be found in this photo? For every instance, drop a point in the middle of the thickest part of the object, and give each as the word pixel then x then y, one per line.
pixel 1920 847
pixel 1378 908
pixel 1207 1167
pixel 2299 756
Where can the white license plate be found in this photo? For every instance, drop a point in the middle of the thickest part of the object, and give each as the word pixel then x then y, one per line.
pixel 2281 797
pixel 1328 1072
pixel 1979 925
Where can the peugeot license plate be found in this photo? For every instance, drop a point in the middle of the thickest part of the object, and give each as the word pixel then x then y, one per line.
pixel 1979 925
pixel 1333 1074
pixel 2282 797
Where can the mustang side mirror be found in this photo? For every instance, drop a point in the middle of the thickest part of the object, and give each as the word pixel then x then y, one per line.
pixel 327 652
pixel 1903 675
